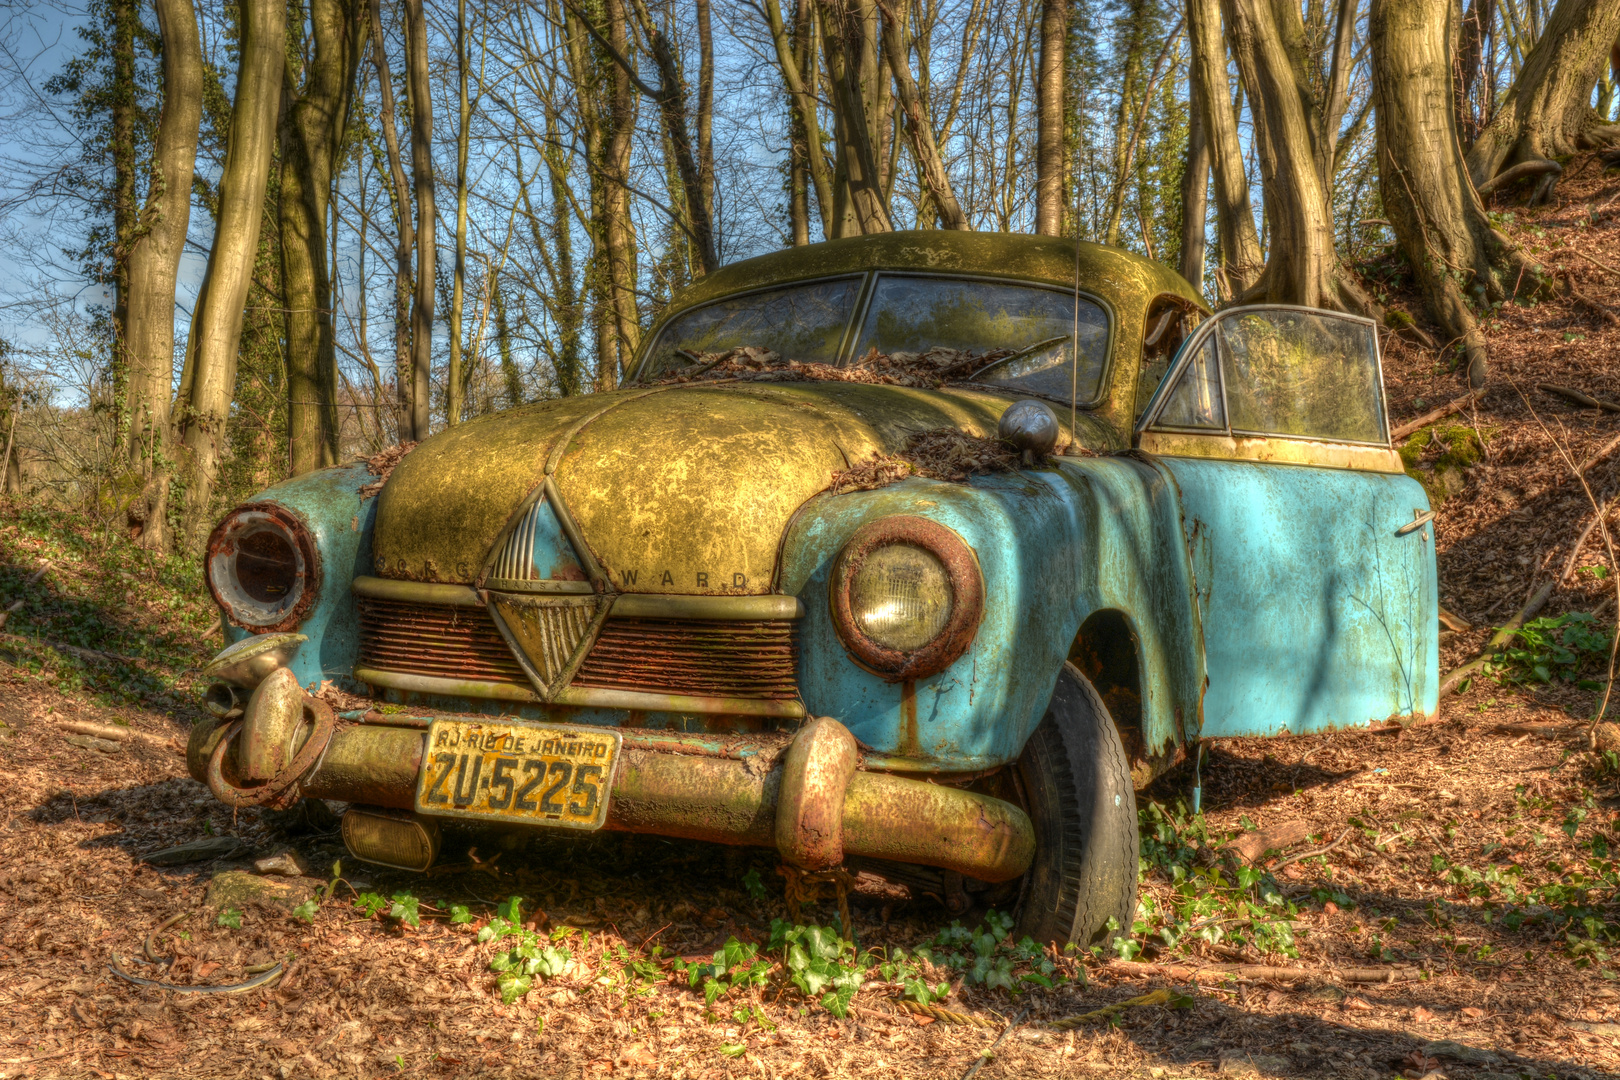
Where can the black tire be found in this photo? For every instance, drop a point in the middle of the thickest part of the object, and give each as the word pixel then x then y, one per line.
pixel 1077 788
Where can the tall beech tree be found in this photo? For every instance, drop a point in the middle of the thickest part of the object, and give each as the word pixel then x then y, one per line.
pixel 421 101
pixel 218 323
pixel 400 198
pixel 858 88
pixel 154 264
pixel 313 122
pixel 1548 111
pixel 1296 111
pixel 1239 259
pixel 1439 222
pixel 1049 119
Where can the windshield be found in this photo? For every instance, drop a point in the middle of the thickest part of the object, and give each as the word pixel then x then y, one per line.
pixel 916 313
pixel 800 322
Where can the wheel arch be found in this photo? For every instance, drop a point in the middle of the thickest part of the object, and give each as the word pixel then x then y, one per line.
pixel 1108 650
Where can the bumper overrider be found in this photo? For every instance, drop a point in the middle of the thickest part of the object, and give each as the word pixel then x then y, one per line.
pixel 805 793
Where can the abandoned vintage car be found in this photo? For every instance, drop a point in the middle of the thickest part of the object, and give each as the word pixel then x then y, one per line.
pixel 722 602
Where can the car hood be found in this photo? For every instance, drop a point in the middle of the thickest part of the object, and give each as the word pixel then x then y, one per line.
pixel 676 489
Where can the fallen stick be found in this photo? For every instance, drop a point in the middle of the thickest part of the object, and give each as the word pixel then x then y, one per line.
pixel 1582 300
pixel 1455 405
pixel 1544 730
pixel 1217 973
pixel 1314 852
pixel 1251 846
pixel 1500 638
pixel 1571 394
pixel 111 732
pixel 1599 454
pixel 1594 262
pixel 33 579
pixel 1575 552
pixel 74 650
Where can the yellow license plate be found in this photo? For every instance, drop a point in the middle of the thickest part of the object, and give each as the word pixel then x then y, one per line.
pixel 506 770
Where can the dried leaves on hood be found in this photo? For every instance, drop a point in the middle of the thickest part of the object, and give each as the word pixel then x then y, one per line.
pixel 382 464
pixel 938 454
pixel 930 369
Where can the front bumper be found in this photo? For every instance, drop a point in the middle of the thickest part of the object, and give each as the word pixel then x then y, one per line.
pixel 805 795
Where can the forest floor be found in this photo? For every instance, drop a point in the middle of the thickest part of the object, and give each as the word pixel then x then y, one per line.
pixel 1467 861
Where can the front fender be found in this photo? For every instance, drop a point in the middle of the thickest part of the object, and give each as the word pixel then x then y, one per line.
pixel 328 503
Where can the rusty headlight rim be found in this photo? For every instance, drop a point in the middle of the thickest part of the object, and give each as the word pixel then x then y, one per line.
pixel 255 616
pixel 967 596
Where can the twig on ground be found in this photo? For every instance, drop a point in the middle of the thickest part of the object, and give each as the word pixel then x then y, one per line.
pixel 33 579
pixel 1500 638
pixel 1453 406
pixel 1594 262
pixel 112 732
pixel 990 1051
pixel 1569 393
pixel 1313 853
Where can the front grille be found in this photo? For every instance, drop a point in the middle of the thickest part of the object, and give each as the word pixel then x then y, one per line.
pixel 694 656
pixel 427 639
pixel 698 657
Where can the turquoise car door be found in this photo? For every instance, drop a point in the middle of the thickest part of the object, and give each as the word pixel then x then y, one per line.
pixel 1312 549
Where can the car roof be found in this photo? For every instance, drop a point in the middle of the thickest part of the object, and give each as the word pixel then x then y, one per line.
pixel 1124 279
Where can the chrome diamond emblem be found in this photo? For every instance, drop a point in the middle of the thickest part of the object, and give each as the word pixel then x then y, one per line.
pixel 549 634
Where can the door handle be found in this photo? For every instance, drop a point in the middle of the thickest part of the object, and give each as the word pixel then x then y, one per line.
pixel 1416 523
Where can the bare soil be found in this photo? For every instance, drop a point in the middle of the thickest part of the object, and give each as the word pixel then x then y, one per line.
pixel 1491 985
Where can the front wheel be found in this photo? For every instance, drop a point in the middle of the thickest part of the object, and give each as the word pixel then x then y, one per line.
pixel 1077 788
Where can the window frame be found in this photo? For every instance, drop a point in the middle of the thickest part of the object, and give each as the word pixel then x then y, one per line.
pixel 1110 316
pixel 1195 341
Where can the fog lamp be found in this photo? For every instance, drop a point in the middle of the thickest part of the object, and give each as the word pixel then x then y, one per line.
pixel 391 838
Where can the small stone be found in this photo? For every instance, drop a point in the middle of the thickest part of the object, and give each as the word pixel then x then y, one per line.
pixel 287 864
pixel 90 742
pixel 236 889
pixel 1456 1051
pixel 209 847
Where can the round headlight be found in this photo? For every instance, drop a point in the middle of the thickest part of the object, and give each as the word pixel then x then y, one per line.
pixel 262 567
pixel 906 597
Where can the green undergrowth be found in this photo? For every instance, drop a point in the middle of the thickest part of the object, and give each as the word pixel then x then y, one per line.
pixel 107 617
pixel 1204 892
pixel 1572 647
pixel 813 966
pixel 1568 893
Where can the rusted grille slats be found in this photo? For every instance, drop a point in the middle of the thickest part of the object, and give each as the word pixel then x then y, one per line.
pixel 706 658
pixel 426 640
pixel 694 656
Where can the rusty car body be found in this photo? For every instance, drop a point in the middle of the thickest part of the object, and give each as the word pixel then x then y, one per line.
pixel 648 609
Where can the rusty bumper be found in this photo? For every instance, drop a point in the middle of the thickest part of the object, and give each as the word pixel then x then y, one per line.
pixel 805 796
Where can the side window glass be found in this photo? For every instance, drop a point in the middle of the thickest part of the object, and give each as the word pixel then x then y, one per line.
pixel 1307 374
pixel 1195 400
pixel 800 322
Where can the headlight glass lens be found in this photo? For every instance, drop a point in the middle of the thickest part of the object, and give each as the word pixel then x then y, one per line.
pixel 901 597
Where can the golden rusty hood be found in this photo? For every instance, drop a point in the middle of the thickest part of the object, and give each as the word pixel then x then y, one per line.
pixel 676 489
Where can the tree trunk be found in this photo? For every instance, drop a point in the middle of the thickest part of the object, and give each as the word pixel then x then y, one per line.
pixel 796 59
pixel 421 100
pixel 1470 67
pixel 619 230
pixel 1548 112
pixel 1240 259
pixel 1049 119
pixel 1438 219
pixel 312 128
pixel 1194 192
pixel 1268 43
pixel 850 45
pixel 919 128
pixel 670 96
pixel 125 18
pixel 154 261
pixel 705 106
pixel 218 326
pixel 404 232
pixel 458 285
